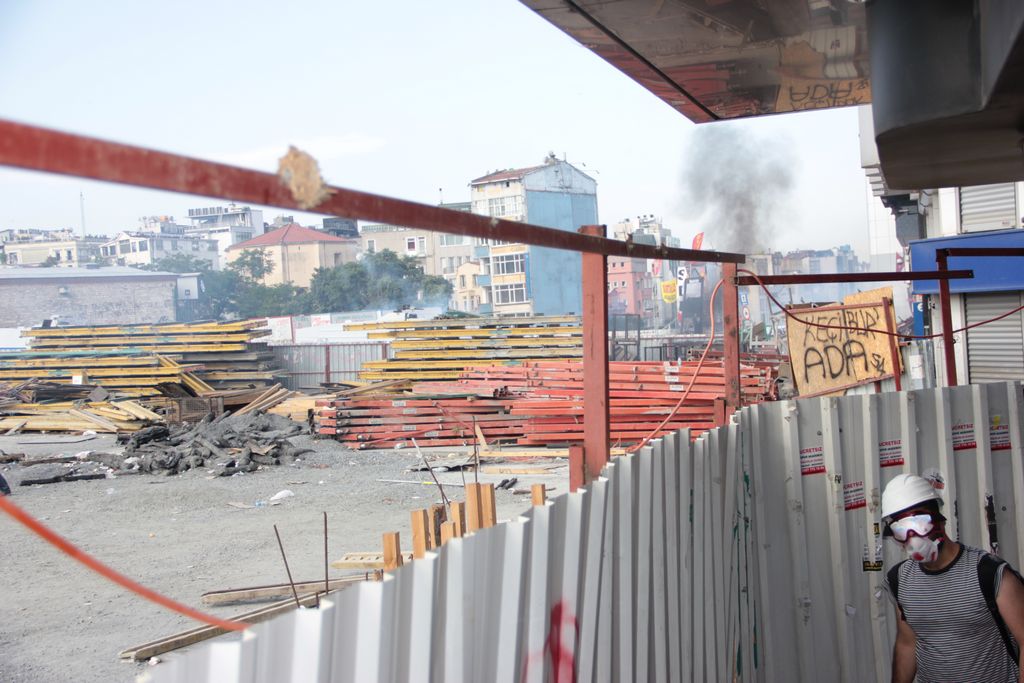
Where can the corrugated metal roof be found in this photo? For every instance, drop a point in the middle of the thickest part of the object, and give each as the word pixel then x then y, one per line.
pixel 293 233
pixel 59 273
pixel 510 174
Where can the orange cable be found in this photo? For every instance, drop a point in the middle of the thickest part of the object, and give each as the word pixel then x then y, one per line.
pixel 92 563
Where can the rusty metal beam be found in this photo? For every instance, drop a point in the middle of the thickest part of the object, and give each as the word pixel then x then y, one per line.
pixel 42 149
pixel 947 320
pixel 596 418
pixel 731 339
pixel 828 278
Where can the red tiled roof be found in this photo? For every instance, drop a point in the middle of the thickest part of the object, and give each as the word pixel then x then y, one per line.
pixel 293 233
pixel 510 174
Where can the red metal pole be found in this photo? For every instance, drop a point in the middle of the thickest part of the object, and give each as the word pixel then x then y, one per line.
pixel 947 319
pixel 731 341
pixel 42 149
pixel 596 417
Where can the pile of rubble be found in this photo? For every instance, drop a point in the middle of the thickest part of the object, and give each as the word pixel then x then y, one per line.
pixel 228 444
pixel 223 446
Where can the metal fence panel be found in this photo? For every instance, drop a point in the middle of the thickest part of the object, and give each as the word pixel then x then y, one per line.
pixel 306 366
pixel 752 554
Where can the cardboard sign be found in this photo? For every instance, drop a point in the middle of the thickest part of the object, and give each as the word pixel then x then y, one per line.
pixel 827 359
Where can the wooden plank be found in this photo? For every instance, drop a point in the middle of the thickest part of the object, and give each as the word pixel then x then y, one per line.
pixel 488 509
pixel 419 534
pixel 275 591
pixel 458 511
pixel 141 653
pixel 538 494
pixel 438 516
pixel 474 518
pixel 364 561
pixel 448 532
pixel 392 551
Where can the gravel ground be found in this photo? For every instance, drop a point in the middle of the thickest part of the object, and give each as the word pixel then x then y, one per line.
pixel 178 535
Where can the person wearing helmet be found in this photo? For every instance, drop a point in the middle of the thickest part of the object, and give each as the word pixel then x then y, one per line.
pixel 960 614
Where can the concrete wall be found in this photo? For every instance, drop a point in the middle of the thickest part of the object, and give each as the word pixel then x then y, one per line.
pixel 296 263
pixel 554 281
pixel 107 301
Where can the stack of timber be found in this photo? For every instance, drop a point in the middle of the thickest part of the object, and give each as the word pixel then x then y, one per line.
pixel 539 403
pixel 201 356
pixel 76 416
pixel 442 348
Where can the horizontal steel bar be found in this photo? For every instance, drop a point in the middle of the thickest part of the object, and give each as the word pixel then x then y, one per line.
pixel 42 149
pixel 826 278
pixel 983 251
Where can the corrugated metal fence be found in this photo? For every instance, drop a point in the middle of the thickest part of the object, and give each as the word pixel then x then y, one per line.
pixel 308 365
pixel 752 554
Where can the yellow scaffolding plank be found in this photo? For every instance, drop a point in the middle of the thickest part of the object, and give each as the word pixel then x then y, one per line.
pixel 467 323
pixel 526 342
pixel 76 343
pixel 487 333
pixel 436 364
pixel 490 354
pixel 121 330
pixel 96 372
pixel 162 348
pixel 425 374
pixel 80 362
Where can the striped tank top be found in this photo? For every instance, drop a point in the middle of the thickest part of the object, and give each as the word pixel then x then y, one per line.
pixel 958 640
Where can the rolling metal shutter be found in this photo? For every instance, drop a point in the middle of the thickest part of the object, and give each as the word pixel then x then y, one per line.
pixel 995 352
pixel 988 207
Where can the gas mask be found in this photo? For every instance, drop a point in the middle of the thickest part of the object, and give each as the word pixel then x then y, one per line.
pixel 914 533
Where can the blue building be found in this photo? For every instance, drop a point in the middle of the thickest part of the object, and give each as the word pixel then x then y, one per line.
pixel 529 280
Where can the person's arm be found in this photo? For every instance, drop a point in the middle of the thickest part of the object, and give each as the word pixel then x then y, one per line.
pixel 904 653
pixel 1010 601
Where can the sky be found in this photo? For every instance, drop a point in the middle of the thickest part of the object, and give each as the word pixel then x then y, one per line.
pixel 409 99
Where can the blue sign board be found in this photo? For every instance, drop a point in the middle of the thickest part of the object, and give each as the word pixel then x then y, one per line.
pixel 991 273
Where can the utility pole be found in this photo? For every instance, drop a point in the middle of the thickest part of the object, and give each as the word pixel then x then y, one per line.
pixel 81 208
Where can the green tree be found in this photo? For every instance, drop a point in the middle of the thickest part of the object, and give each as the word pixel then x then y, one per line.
pixel 180 262
pixel 254 264
pixel 342 288
pixel 436 290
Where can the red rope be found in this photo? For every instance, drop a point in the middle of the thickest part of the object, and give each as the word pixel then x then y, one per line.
pixel 53 538
pixel 792 315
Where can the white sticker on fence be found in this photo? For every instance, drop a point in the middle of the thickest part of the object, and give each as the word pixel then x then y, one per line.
pixel 963 436
pixel 812 460
pixel 890 453
pixel 853 495
pixel 999 434
pixel 871 559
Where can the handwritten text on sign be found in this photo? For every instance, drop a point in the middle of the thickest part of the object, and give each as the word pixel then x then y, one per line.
pixel 826 359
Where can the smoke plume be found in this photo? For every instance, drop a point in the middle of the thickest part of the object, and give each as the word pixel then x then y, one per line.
pixel 735 185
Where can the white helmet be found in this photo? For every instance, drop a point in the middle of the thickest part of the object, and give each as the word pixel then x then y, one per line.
pixel 905 491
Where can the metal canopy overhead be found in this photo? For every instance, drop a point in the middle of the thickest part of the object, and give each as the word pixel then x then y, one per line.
pixel 945 77
pixel 724 59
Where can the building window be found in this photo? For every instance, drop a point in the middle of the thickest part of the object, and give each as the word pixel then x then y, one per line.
pixel 462 281
pixel 371 246
pixel 124 247
pixel 506 264
pixel 453 240
pixel 510 294
pixel 143 246
pixel 410 244
pixel 505 206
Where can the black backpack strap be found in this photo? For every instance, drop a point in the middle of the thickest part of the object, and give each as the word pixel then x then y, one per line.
pixel 893 579
pixel 988 568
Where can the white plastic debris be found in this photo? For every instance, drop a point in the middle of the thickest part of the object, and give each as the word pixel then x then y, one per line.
pixel 281 495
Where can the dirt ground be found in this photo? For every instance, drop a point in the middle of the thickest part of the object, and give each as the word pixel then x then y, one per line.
pixel 178 535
